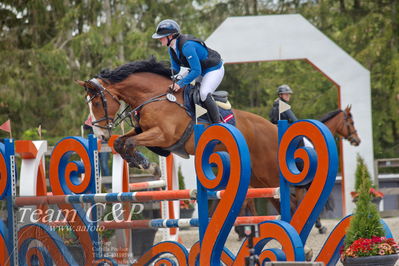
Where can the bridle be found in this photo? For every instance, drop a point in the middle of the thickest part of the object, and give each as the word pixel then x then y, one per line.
pixel 128 112
pixel 101 91
pixel 348 124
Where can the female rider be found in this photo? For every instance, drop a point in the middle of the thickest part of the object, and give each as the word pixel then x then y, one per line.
pixel 205 65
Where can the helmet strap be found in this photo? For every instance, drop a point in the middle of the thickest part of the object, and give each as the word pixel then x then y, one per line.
pixel 174 36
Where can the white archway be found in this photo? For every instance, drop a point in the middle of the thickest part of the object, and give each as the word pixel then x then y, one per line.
pixel 292 37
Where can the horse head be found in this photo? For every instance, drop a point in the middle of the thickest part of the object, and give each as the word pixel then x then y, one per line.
pixel 103 106
pixel 348 130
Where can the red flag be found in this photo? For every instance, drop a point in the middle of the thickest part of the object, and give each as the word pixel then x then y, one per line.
pixel 88 121
pixel 6 126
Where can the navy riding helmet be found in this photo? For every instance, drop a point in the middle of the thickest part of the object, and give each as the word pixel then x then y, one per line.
pixel 165 28
pixel 284 89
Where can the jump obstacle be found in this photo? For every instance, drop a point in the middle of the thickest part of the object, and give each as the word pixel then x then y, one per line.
pixel 75 187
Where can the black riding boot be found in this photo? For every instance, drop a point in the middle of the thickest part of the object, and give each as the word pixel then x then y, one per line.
pixel 212 108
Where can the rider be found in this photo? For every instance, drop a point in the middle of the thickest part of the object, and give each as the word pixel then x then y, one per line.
pixel 205 65
pixel 284 94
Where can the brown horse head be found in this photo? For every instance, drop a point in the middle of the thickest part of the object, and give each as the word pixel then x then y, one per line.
pixel 350 130
pixel 341 122
pixel 103 106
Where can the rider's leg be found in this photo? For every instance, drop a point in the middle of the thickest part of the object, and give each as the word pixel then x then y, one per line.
pixel 212 108
pixel 209 83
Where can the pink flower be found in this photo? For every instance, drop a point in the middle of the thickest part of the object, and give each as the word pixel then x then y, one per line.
pixel 370 247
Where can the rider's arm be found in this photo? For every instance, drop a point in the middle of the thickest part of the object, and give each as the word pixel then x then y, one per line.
pixel 273 115
pixel 190 52
pixel 291 116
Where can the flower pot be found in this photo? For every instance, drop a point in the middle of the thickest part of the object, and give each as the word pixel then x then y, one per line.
pixel 386 260
pixel 376 201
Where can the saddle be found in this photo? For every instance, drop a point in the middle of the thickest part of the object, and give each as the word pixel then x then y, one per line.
pixel 192 97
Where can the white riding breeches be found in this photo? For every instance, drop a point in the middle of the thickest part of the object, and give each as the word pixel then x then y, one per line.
pixel 210 81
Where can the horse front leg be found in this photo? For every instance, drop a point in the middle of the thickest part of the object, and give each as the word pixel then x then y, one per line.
pixel 119 144
pixel 134 158
pixel 151 137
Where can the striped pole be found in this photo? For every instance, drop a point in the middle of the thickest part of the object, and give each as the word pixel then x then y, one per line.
pixel 147 185
pixel 170 223
pixel 252 193
pixel 141 196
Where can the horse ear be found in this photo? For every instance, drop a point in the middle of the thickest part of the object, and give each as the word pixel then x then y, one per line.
pixel 79 82
pixel 348 108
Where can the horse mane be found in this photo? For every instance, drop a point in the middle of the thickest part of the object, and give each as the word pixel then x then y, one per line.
pixel 330 115
pixel 121 73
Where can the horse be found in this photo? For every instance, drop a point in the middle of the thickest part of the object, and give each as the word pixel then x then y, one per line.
pixel 161 122
pixel 339 122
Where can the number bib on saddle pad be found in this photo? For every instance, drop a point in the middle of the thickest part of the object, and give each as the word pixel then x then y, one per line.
pixel 192 97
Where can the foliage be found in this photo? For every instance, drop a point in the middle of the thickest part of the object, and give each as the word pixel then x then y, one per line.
pixel 70 239
pixel 67 235
pixel 32 134
pixel 182 184
pixel 105 234
pixel 362 175
pixel 46 45
pixel 365 223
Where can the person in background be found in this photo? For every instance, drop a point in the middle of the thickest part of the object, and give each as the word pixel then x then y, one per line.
pixel 284 94
pixel 205 65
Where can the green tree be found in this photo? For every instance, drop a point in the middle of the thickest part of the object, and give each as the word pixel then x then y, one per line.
pixel 366 221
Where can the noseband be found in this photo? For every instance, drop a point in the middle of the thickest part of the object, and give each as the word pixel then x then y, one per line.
pixel 100 91
pixel 351 134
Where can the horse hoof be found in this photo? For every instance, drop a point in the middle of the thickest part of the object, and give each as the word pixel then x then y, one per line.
pixel 145 165
pixel 308 253
pixel 141 160
pixel 322 230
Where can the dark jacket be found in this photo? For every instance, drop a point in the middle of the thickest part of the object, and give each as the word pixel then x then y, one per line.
pixel 195 55
pixel 287 115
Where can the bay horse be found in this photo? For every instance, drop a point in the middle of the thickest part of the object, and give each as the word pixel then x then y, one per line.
pixel 143 85
pixel 339 122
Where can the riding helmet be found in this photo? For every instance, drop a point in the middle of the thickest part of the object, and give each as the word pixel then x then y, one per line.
pixel 284 89
pixel 165 28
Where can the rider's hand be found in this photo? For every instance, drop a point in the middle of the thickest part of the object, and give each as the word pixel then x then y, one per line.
pixel 174 87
